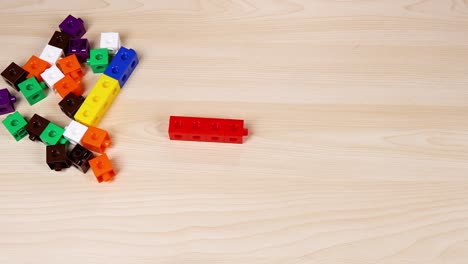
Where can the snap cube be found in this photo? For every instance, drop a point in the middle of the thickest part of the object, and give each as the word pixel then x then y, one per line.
pixel 74 132
pixel 70 104
pixel 15 124
pixel 60 40
pixel 36 125
pixel 207 129
pixel 7 102
pixel 73 26
pixel 68 85
pixel 102 168
pixel 57 158
pixel 110 41
pixel 98 101
pixel 14 75
pixel 51 54
pixel 79 47
pixel 80 158
pixel 52 75
pixel 53 135
pixel 35 66
pixel 71 66
pixel 32 90
pixel 122 65
pixel 98 60
pixel 96 139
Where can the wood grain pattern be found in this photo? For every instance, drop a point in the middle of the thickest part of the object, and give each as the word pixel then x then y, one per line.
pixel 358 112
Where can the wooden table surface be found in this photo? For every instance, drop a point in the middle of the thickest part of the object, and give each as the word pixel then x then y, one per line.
pixel 358 153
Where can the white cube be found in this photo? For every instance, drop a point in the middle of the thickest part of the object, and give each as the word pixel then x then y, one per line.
pixel 51 76
pixel 111 41
pixel 74 132
pixel 51 54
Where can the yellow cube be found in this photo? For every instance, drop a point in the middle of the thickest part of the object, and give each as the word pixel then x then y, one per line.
pixel 98 101
pixel 88 115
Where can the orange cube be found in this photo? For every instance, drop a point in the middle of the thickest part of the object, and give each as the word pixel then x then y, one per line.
pixel 35 67
pixel 96 139
pixel 102 168
pixel 71 66
pixel 67 85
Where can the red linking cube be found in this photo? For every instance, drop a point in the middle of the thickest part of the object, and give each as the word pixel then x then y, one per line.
pixel 207 129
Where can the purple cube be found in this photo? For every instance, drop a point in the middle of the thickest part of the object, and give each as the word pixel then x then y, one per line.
pixel 79 47
pixel 73 26
pixel 7 102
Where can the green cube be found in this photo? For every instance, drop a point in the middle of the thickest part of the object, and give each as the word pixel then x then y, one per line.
pixel 32 90
pixel 53 135
pixel 15 124
pixel 98 60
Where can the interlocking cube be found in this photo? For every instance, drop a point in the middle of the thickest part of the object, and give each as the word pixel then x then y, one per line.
pixel 32 90
pixel 70 104
pixel 14 75
pixel 35 66
pixel 60 40
pixel 15 124
pixel 52 75
pixel 51 54
pixel 102 168
pixel 80 158
pixel 96 139
pixel 110 41
pixel 74 132
pixel 57 158
pixel 207 129
pixel 53 135
pixel 122 66
pixel 79 47
pixel 71 66
pixel 98 101
pixel 73 26
pixel 36 125
pixel 7 102
pixel 98 60
pixel 68 85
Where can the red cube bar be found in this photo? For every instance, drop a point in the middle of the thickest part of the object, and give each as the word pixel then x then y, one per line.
pixel 207 129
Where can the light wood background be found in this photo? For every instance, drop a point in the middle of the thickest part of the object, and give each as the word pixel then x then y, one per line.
pixel 358 154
